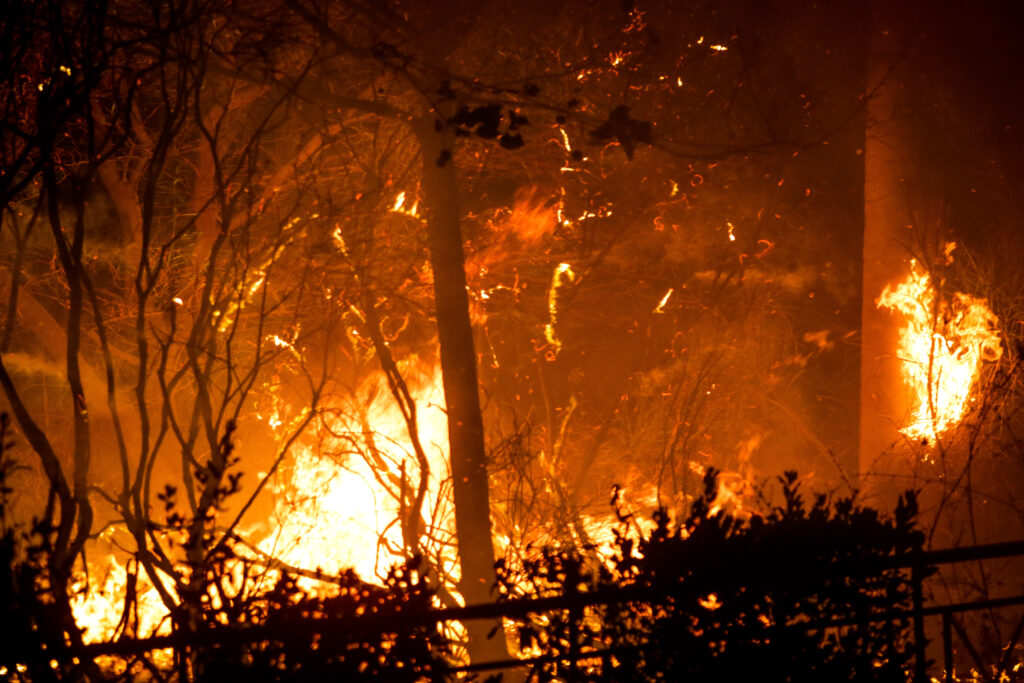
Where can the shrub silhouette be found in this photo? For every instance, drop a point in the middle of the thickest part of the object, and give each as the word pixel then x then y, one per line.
pixel 311 638
pixel 716 598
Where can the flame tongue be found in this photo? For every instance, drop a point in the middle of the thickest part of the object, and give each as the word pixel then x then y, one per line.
pixel 942 347
pixel 335 508
pixel 338 511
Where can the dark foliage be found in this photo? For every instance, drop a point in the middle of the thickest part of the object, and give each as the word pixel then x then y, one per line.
pixel 302 646
pixel 486 121
pixel 623 128
pixel 35 639
pixel 719 599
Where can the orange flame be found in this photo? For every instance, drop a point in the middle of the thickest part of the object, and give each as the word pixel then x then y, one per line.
pixel 339 511
pixel 942 347
pixel 332 512
pixel 98 603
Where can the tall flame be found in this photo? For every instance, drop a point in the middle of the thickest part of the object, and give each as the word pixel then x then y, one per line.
pixel 338 511
pixel 335 507
pixel 942 347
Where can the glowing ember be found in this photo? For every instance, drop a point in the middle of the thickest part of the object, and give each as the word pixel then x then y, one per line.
pixel 710 603
pixel 942 347
pixel 400 207
pixel 563 273
pixel 660 308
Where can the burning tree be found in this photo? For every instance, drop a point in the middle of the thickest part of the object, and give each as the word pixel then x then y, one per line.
pixel 940 344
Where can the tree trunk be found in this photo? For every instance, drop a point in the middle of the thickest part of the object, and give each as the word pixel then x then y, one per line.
pixel 887 233
pixel 458 367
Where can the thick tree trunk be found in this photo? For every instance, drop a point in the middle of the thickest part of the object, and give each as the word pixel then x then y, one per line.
pixel 458 367
pixel 887 233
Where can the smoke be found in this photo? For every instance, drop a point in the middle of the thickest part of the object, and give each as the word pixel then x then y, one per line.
pixel 28 365
pixel 532 218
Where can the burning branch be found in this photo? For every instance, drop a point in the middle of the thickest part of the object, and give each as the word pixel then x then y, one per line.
pixel 942 347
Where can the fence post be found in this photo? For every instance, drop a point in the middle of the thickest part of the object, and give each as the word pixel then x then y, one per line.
pixel 575 619
pixel 947 644
pixel 917 595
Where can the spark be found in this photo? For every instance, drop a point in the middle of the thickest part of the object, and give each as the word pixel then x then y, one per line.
pixel 255 286
pixel 563 272
pixel 710 603
pixel 285 344
pixel 732 237
pixel 400 207
pixel 339 240
pixel 565 140
pixel 660 308
pixel 563 220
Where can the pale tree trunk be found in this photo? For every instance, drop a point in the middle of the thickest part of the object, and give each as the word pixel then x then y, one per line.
pixel 458 368
pixel 887 235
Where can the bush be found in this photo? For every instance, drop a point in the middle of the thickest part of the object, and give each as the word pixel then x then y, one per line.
pixel 717 598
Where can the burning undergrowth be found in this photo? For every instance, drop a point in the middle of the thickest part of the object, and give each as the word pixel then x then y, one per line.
pixel 945 342
pixel 664 588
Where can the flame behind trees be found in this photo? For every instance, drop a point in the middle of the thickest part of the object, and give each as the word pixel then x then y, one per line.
pixel 253 259
pixel 942 348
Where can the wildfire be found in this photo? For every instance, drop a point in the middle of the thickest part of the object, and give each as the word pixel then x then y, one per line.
pixel 99 600
pixel 337 511
pixel 335 508
pixel 942 347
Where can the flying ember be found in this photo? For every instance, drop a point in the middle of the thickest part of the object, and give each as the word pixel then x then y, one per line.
pixel 942 347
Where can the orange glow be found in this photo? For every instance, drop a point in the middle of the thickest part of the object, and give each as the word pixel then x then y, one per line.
pixel 532 217
pixel 942 347
pixel 335 506
pixel 98 603
pixel 339 510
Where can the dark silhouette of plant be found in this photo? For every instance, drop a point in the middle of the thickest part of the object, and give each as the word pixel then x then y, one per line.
pixel 37 633
pixel 715 597
pixel 307 637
